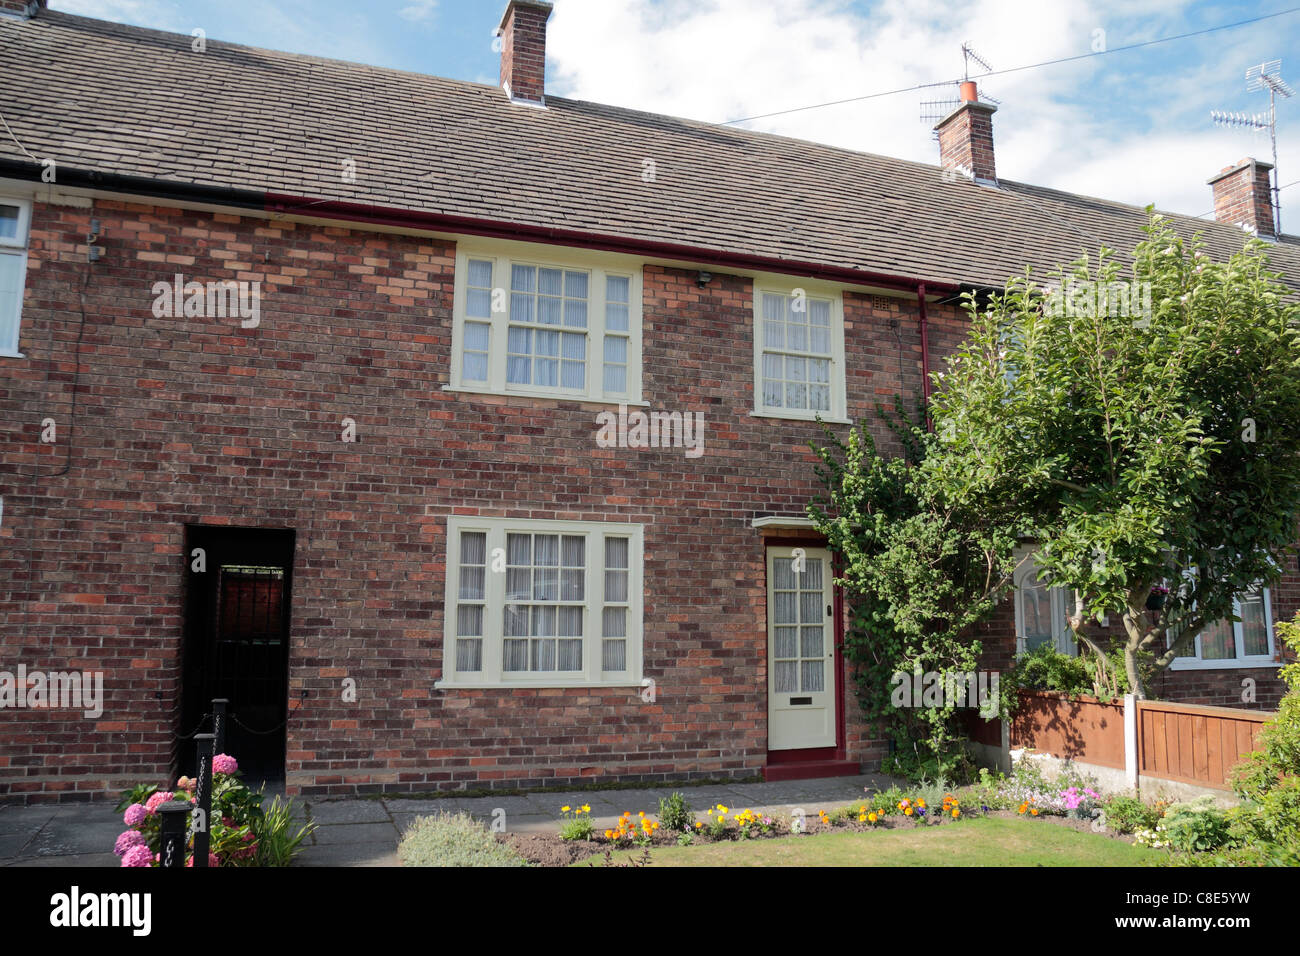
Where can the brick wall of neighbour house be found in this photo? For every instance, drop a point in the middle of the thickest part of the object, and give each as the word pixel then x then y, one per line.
pixel 189 420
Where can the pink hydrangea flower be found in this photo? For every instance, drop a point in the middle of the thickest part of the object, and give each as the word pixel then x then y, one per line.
pixel 213 860
pixel 157 800
pixel 135 814
pixel 224 763
pixel 137 856
pixel 127 840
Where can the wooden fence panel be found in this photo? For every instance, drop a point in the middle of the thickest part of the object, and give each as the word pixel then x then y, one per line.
pixel 1190 743
pixel 1082 728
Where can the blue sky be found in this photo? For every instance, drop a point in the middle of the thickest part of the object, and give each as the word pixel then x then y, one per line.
pixel 1131 126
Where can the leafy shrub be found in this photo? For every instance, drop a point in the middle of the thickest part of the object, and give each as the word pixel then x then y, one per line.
pixel 675 813
pixel 1195 826
pixel 446 839
pixel 886 801
pixel 277 840
pixel 1129 814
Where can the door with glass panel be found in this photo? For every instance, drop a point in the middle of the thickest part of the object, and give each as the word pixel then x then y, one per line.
pixel 800 649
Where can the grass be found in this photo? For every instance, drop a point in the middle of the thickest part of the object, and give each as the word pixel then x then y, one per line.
pixel 989 841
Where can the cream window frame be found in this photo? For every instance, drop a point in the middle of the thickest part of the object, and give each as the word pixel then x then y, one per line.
pixel 18 247
pixel 838 411
pixel 599 267
pixel 492 674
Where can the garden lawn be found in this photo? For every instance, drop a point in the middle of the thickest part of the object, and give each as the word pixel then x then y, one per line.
pixel 989 841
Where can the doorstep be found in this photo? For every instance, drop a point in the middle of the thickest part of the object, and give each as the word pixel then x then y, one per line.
pixel 811 770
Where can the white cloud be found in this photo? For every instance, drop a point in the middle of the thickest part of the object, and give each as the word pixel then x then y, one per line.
pixel 420 11
pixel 1114 127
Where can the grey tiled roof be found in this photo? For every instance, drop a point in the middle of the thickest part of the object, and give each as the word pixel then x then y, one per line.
pixel 103 96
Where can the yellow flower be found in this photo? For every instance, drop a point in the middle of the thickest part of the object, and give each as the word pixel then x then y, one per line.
pixel 908 811
pixel 872 817
pixel 586 808
pixel 721 808
pixel 564 809
pixel 955 813
pixel 609 834
pixel 698 824
pixel 921 804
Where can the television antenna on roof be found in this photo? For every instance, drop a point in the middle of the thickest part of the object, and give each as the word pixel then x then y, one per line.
pixel 934 110
pixel 1265 76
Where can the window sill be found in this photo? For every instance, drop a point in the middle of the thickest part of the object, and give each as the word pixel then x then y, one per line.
pixel 1222 665
pixel 828 419
pixel 540 685
pixel 6 354
pixel 554 396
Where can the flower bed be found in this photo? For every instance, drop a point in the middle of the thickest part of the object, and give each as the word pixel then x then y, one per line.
pixel 242 832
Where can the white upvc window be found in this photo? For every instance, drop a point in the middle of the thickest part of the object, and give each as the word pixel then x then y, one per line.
pixel 1041 612
pixel 530 321
pixel 15 224
pixel 542 603
pixel 1246 642
pixel 798 352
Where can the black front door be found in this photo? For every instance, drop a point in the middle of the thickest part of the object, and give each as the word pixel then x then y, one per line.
pixel 237 601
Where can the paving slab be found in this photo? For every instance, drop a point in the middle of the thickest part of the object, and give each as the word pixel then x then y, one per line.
pixel 348 811
pixel 384 832
pixel 348 854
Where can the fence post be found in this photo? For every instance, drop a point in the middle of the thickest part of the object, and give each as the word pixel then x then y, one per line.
pixel 219 705
pixel 171 852
pixel 1131 740
pixel 203 790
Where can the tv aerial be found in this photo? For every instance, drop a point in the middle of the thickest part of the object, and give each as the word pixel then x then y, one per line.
pixel 934 110
pixel 1265 76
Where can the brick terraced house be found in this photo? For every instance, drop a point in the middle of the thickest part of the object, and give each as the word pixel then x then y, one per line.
pixel 307 375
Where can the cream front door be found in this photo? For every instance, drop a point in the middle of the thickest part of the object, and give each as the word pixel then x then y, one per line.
pixel 800 649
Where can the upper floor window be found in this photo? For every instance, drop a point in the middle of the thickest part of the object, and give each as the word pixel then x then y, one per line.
pixel 540 326
pixel 15 221
pixel 798 353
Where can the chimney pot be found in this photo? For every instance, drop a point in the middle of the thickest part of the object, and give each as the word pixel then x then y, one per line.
pixel 523 50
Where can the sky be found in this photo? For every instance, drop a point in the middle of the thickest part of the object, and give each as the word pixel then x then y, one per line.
pixel 1126 125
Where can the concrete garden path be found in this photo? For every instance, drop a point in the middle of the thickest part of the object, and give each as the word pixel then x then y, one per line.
pixel 365 832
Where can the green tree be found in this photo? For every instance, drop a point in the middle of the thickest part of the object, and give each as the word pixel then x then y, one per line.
pixel 1139 447
pixel 917 575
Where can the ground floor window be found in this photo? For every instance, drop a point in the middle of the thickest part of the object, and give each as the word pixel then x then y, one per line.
pixel 542 603
pixel 1247 641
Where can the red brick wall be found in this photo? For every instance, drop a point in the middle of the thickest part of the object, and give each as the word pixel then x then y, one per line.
pixel 523 51
pixel 1244 197
pixel 188 420
pixel 966 142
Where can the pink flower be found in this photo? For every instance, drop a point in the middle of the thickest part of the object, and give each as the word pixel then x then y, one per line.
pixel 128 840
pixel 137 856
pixel 135 815
pixel 157 800
pixel 213 860
pixel 224 763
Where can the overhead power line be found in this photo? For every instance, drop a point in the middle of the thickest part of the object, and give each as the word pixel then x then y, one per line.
pixel 1016 69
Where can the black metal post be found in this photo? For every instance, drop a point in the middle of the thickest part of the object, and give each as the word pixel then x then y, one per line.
pixel 219 705
pixel 172 850
pixel 203 790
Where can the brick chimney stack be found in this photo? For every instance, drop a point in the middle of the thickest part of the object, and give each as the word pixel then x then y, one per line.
pixel 22 8
pixel 523 50
pixel 1243 196
pixel 966 137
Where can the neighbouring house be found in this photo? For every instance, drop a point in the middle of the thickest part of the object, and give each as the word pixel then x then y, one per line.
pixel 458 434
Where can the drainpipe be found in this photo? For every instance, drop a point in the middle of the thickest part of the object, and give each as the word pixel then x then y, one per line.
pixel 925 355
